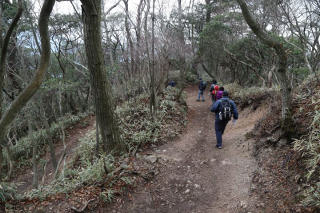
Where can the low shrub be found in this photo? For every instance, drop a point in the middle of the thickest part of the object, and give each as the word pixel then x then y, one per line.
pixel 7 191
pixel 309 148
pixel 252 95
pixel 90 166
pixel 22 150
pixel 136 121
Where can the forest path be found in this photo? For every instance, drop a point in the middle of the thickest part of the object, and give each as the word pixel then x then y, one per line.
pixel 195 176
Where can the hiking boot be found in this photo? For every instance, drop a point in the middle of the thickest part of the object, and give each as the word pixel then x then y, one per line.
pixel 198 100
pixel 219 147
pixel 203 100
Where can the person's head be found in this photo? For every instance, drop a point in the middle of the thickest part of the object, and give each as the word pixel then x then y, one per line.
pixel 225 94
pixel 221 88
pixel 200 79
pixel 214 82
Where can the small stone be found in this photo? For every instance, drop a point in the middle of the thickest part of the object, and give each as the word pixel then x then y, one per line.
pixel 253 187
pixel 187 191
pixel 197 186
pixel 243 204
pixel 124 165
pixel 213 160
pixel 203 162
pixel 199 131
pixel 151 158
pixel 283 142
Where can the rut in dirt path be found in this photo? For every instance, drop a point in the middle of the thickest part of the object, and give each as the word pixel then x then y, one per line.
pixel 197 177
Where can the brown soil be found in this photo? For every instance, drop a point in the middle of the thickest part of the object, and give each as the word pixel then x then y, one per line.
pixel 191 174
pixel 194 176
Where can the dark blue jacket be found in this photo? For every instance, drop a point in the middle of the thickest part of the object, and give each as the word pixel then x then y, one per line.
pixel 172 83
pixel 216 106
pixel 202 85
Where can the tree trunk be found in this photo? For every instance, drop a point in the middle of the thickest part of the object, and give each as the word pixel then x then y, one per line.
pixel 287 122
pixel 138 38
pixel 35 159
pixel 33 86
pixel 50 141
pixel 4 51
pixel 129 39
pixel 208 11
pixel 10 161
pixel 181 51
pixel 106 117
pixel 152 73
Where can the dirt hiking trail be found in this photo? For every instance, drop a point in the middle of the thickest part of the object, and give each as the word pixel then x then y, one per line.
pixel 195 176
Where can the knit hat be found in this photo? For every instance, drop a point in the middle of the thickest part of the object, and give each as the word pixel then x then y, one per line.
pixel 225 94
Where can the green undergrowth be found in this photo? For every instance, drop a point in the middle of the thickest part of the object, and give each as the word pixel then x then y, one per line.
pixel 89 166
pixel 251 95
pixel 7 191
pixel 309 148
pixel 137 125
pixel 22 151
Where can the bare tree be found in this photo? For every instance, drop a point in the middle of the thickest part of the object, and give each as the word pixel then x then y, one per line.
pixel 181 50
pixel 129 39
pixel 282 69
pixel 152 70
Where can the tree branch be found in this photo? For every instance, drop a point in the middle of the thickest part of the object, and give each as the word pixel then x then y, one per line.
pixel 34 85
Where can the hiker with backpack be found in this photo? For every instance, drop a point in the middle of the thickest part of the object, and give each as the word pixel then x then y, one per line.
pixel 225 109
pixel 213 90
pixel 219 93
pixel 202 87
pixel 172 83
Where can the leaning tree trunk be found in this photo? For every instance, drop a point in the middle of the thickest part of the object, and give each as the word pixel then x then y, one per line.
pixel 108 123
pixel 34 85
pixel 287 122
pixel 4 43
pixel 4 51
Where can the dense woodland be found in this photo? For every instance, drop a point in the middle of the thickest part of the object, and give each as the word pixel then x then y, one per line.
pixel 108 64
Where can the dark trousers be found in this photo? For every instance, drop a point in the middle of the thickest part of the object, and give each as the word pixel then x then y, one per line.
pixel 220 127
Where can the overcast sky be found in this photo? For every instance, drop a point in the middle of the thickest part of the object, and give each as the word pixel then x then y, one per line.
pixel 66 8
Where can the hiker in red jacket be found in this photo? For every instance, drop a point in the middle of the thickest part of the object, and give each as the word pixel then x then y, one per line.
pixel 219 93
pixel 214 93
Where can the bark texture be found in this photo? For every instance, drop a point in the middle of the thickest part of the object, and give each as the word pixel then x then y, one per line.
pixel 4 50
pixel 34 85
pixel 282 69
pixel 106 117
pixel 152 71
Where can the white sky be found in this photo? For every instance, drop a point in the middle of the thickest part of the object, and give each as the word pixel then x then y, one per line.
pixel 66 8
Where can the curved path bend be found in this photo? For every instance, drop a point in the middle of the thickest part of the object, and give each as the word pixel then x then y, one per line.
pixel 195 176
